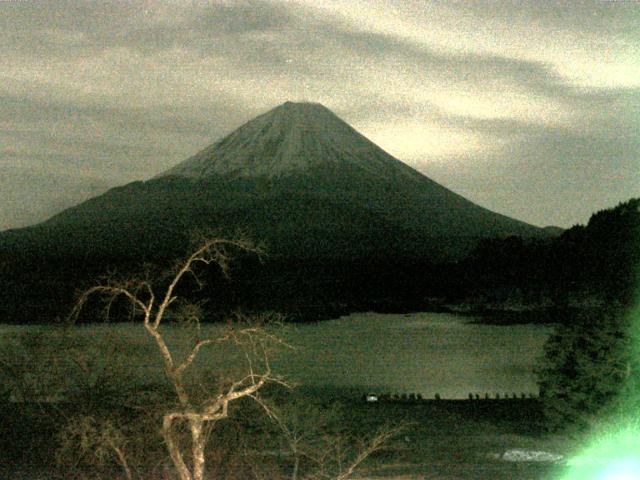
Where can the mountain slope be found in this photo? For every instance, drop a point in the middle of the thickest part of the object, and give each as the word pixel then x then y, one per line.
pixel 300 154
pixel 297 178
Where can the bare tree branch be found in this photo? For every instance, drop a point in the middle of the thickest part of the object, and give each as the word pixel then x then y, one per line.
pixel 254 338
pixel 379 441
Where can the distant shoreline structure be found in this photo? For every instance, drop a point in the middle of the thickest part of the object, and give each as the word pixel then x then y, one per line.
pixel 472 397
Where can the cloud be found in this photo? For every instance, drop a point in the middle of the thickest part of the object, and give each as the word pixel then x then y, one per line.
pixel 546 174
pixel 31 195
pixel 120 91
pixel 594 44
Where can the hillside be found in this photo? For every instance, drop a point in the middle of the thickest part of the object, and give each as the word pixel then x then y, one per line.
pixel 294 171
pixel 297 178
pixel 587 266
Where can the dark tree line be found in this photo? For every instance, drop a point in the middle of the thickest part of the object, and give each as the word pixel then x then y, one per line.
pixel 591 368
pixel 587 265
pixel 594 264
pixel 588 371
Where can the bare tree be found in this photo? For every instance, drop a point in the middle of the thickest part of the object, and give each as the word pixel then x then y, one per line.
pixel 342 461
pixel 328 452
pixel 88 437
pixel 197 412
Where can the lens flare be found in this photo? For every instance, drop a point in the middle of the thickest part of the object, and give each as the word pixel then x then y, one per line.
pixel 615 453
pixel 621 470
pixel 615 456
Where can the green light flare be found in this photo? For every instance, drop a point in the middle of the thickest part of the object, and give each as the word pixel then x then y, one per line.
pixel 613 457
pixel 615 453
pixel 623 470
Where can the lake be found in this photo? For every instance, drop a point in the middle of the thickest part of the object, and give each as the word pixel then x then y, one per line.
pixel 425 353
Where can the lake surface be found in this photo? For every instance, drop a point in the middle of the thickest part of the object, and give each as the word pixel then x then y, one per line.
pixel 425 353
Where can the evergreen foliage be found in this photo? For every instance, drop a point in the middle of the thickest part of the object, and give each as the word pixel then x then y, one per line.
pixel 585 367
pixel 593 264
pixel 591 366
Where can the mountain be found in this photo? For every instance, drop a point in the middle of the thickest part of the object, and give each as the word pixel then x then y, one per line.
pixel 298 158
pixel 553 230
pixel 289 139
pixel 319 194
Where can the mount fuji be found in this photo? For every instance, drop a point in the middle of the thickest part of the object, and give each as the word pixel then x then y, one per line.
pixel 297 177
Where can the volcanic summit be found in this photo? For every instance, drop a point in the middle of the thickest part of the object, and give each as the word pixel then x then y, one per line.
pixel 304 148
pixel 291 138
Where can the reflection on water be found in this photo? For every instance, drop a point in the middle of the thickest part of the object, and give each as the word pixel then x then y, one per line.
pixel 425 353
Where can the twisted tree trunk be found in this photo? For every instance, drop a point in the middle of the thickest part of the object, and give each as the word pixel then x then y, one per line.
pixel 197 447
pixel 174 448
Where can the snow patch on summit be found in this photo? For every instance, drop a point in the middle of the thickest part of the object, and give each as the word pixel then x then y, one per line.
pixel 292 137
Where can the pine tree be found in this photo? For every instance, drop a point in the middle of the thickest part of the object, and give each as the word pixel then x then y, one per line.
pixel 587 365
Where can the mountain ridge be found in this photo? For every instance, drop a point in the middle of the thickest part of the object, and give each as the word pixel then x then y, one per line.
pixel 308 140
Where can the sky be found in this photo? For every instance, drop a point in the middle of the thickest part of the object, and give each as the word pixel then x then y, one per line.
pixel 531 109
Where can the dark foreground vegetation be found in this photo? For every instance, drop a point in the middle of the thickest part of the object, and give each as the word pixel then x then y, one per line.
pixel 585 266
pixel 442 440
pixel 106 407
pixel 73 406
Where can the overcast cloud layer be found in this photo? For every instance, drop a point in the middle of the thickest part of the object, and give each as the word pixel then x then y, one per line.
pixel 530 109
